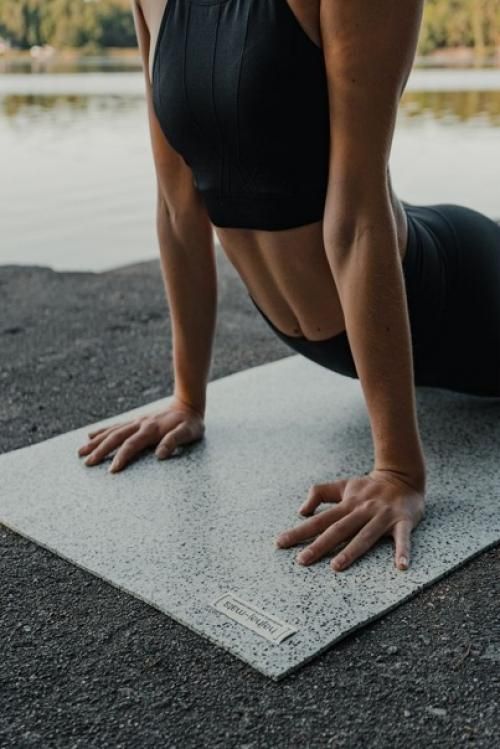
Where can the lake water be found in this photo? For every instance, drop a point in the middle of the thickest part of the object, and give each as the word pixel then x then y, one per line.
pixel 77 184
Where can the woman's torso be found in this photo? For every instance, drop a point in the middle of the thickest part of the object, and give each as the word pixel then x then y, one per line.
pixel 286 271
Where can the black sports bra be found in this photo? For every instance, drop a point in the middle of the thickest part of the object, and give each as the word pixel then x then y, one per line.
pixel 240 91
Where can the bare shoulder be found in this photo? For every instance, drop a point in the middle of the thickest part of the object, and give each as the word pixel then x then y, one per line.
pixel 175 187
pixel 369 49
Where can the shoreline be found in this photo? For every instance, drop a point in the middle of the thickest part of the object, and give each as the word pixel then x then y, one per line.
pixel 454 57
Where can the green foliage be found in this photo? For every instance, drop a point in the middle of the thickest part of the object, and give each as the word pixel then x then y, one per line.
pixel 68 23
pixel 109 23
pixel 448 23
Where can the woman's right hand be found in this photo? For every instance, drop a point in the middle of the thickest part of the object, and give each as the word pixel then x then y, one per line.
pixel 177 424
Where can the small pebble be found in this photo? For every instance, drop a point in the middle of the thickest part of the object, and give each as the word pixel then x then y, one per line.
pixel 440 711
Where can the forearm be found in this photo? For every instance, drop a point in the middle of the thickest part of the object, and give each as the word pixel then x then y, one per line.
pixel 370 283
pixel 190 281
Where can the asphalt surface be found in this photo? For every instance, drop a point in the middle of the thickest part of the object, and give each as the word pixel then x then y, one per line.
pixel 85 665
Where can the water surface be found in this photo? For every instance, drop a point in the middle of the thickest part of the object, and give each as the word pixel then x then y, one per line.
pixel 77 187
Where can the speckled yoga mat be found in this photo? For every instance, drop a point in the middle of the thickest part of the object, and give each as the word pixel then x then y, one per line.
pixel 193 535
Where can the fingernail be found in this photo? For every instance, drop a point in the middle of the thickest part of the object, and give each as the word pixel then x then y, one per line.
pixel 338 562
pixel 305 556
pixel 403 562
pixel 90 460
pixel 282 540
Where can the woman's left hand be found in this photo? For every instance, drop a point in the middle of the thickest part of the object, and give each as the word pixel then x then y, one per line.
pixel 367 508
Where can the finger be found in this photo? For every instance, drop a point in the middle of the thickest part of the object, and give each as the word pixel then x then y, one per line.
pixel 91 444
pixel 175 437
pixel 318 493
pixel 139 441
pixel 109 443
pixel 332 536
pixel 402 537
pixel 310 527
pixel 102 429
pixel 362 541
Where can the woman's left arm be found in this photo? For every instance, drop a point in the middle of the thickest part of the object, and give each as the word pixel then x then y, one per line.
pixel 369 50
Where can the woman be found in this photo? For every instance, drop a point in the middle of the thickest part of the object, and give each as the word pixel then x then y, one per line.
pixel 272 120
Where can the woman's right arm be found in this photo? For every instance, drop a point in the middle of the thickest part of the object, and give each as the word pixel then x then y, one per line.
pixel 186 251
pixel 190 280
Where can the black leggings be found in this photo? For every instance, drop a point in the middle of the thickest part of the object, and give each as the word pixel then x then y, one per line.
pixel 452 277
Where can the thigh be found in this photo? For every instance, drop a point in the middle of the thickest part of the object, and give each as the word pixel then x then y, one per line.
pixel 473 320
pixel 466 355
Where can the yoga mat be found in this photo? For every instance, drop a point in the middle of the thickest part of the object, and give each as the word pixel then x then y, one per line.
pixel 193 535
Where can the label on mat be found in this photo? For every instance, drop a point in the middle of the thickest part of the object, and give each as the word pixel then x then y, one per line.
pixel 249 616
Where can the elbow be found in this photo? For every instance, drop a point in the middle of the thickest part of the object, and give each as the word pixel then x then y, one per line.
pixel 163 206
pixel 339 235
pixel 347 214
pixel 366 227
pixel 341 240
pixel 163 218
pixel 357 203
pixel 172 218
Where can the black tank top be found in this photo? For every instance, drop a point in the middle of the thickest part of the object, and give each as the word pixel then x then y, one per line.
pixel 240 91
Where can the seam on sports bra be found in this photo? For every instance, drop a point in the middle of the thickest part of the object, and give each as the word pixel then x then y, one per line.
pixel 249 176
pixel 212 96
pixel 161 29
pixel 184 86
pixel 238 88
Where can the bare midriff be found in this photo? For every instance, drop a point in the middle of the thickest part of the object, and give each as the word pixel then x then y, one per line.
pixel 288 275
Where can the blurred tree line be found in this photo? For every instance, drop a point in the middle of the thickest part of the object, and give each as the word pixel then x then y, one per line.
pixel 108 23
pixel 450 23
pixel 68 23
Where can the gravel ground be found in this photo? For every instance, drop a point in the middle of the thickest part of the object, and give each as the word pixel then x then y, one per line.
pixel 85 665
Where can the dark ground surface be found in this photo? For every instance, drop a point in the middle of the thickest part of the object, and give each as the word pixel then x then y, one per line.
pixel 84 665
